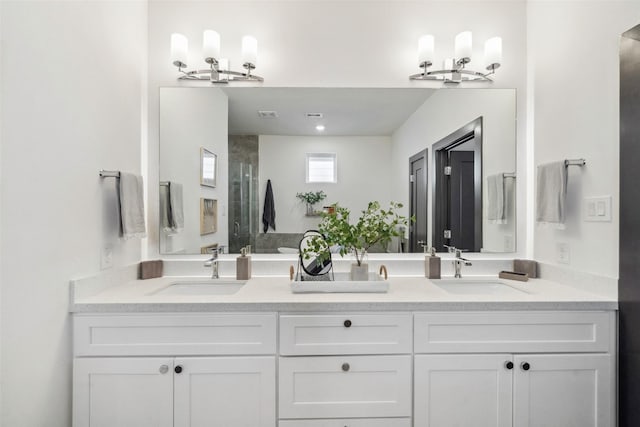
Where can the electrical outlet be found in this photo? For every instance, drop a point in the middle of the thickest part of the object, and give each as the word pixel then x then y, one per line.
pixel 562 253
pixel 106 257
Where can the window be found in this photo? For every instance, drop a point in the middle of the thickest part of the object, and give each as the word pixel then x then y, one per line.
pixel 322 167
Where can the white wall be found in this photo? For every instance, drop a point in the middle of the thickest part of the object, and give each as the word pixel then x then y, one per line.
pixel 445 112
pixel 1 209
pixel 71 104
pixel 363 175
pixel 191 119
pixel 575 73
pixel 296 49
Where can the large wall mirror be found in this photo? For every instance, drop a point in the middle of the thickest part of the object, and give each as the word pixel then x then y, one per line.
pixel 448 155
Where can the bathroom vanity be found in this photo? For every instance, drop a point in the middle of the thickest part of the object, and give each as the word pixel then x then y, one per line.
pixel 536 354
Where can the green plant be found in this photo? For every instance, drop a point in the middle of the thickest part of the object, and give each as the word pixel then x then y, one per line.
pixel 312 197
pixel 375 225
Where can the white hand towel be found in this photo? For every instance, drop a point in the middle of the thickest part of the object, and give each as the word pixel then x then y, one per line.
pixel 175 206
pixel 165 213
pixel 495 199
pixel 551 193
pixel 132 206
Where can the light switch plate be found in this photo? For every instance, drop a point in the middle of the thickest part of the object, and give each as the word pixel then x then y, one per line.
pixel 106 257
pixel 597 209
pixel 563 253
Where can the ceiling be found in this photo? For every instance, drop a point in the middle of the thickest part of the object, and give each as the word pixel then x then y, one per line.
pixel 346 111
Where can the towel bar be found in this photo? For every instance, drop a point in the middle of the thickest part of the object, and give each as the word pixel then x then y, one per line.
pixel 575 162
pixel 109 174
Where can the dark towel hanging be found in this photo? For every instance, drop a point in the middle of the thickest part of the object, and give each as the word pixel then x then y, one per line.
pixel 269 213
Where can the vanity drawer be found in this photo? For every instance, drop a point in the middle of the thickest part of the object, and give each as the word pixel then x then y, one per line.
pixel 379 333
pixel 174 334
pixel 349 422
pixel 513 332
pixel 345 387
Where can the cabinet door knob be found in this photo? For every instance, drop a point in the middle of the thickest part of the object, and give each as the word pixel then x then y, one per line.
pixel 345 367
pixel 347 323
pixel 525 366
pixel 508 365
pixel 163 369
pixel 178 369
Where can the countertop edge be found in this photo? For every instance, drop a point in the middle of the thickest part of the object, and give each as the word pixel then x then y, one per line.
pixel 191 307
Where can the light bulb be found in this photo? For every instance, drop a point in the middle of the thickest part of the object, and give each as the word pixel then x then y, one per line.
pixel 464 46
pixel 493 53
pixel 426 45
pixel 249 52
pixel 210 46
pixel 179 49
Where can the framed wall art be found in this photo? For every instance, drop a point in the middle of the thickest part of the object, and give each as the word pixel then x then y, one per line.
pixel 208 167
pixel 208 216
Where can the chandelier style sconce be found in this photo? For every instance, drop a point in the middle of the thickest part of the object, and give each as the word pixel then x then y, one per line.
pixel 218 71
pixel 455 70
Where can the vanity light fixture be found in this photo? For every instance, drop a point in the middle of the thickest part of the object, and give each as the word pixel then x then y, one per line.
pixel 455 70
pixel 218 71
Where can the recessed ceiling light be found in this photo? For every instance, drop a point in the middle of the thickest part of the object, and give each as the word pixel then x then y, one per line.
pixel 320 128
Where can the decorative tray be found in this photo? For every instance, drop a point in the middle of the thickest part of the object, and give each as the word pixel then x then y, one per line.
pixel 342 284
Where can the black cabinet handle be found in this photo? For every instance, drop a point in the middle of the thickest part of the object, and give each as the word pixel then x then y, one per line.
pixel 525 366
pixel 347 323
pixel 345 367
pixel 508 365
pixel 178 369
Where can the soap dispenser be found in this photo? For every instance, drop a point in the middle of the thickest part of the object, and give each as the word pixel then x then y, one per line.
pixel 431 264
pixel 243 265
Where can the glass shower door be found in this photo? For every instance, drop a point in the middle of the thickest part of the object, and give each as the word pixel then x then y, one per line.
pixel 243 206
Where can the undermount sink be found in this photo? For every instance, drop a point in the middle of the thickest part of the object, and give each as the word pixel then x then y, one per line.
pixel 202 287
pixel 477 287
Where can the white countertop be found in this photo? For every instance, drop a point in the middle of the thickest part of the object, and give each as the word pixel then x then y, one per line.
pixel 274 294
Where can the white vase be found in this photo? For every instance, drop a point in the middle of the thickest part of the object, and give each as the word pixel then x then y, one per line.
pixel 359 272
pixel 309 209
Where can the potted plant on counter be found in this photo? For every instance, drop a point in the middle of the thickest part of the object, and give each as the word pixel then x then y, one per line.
pixel 374 226
pixel 311 198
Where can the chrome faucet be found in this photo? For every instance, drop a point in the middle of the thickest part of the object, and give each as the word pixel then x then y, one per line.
pixel 459 262
pixel 213 262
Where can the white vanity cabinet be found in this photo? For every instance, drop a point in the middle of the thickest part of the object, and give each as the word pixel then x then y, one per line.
pixel 520 369
pixel 345 369
pixel 214 370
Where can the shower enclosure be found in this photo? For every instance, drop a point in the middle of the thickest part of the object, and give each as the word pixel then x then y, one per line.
pixel 243 192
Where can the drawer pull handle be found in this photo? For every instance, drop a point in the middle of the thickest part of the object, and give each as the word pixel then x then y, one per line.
pixel 525 366
pixel 383 269
pixel 178 369
pixel 163 369
pixel 347 323
pixel 508 365
pixel 346 367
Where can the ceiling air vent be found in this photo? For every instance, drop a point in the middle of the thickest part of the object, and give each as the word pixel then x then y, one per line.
pixel 267 114
pixel 313 115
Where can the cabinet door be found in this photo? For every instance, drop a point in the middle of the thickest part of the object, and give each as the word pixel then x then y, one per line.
pixel 463 390
pixel 225 392
pixel 563 390
pixel 123 392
